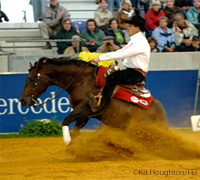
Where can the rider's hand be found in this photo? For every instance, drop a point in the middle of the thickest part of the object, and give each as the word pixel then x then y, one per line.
pixel 95 59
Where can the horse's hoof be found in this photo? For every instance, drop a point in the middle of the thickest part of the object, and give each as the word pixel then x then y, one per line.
pixel 66 135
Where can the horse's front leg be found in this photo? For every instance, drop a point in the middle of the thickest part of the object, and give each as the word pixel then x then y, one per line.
pixel 80 118
pixel 80 123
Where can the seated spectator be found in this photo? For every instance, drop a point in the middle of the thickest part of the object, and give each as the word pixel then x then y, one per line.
pixel 3 16
pixel 76 46
pixel 52 20
pixel 183 32
pixel 152 17
pixel 163 3
pixel 92 35
pixel 102 15
pixel 112 3
pixel 125 12
pixel 108 45
pixel 153 44
pixel 164 36
pixel 193 14
pixel 195 46
pixel 170 10
pixel 184 5
pixel 66 32
pixel 115 32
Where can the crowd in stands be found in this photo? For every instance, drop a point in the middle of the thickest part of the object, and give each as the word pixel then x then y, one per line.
pixel 173 26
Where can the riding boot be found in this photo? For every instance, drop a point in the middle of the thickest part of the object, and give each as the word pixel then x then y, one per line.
pixel 93 102
pixel 107 93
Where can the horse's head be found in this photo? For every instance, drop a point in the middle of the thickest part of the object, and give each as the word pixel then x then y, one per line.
pixel 36 84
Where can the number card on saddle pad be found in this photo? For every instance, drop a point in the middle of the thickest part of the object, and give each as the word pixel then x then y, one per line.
pixel 122 93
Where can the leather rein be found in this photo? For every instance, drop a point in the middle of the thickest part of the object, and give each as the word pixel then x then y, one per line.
pixel 53 96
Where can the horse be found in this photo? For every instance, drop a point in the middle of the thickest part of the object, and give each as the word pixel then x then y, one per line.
pixel 77 78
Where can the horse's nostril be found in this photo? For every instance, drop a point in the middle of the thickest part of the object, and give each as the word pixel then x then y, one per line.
pixel 23 102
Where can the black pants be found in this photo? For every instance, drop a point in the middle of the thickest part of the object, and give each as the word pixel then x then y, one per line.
pixel 127 76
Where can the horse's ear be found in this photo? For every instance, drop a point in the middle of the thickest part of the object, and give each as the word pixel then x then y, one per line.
pixel 44 60
pixel 31 66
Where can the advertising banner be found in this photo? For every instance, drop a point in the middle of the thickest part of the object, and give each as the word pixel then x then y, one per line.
pixel 175 89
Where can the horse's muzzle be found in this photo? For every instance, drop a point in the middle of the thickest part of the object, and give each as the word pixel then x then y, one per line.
pixel 26 101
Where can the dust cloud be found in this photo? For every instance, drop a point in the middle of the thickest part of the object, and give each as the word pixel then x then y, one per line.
pixel 137 142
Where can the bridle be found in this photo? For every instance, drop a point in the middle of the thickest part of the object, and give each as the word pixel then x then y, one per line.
pixel 53 96
pixel 35 85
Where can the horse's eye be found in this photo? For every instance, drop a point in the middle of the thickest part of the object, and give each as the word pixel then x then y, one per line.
pixel 31 79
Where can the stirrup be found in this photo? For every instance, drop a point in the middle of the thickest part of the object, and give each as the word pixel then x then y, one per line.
pixel 93 99
pixel 93 103
pixel 99 96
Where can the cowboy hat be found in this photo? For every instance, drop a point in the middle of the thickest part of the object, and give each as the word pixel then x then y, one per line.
pixel 137 21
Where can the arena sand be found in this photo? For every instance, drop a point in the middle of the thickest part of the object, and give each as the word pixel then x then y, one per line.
pixel 141 152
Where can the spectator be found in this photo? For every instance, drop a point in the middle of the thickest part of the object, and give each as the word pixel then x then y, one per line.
pixel 170 10
pixel 66 32
pixel 76 46
pixel 102 15
pixel 115 32
pixel 140 5
pixel 163 3
pixel 108 45
pixel 195 44
pixel 38 8
pixel 164 36
pixel 92 35
pixel 152 17
pixel 134 3
pixel 183 32
pixel 3 16
pixel 52 20
pixel 153 44
pixel 125 12
pixel 184 5
pixel 193 14
pixel 112 3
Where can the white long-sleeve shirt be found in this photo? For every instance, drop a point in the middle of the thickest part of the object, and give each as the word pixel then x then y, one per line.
pixel 136 53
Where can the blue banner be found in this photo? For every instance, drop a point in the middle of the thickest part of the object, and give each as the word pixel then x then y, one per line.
pixel 175 89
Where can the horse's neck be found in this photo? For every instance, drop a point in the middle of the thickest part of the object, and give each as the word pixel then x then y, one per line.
pixel 71 79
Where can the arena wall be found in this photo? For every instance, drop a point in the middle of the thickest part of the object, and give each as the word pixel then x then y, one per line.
pixel 158 61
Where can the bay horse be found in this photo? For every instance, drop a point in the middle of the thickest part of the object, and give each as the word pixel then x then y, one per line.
pixel 61 72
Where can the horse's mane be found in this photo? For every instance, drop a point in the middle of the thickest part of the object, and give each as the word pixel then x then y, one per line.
pixel 60 62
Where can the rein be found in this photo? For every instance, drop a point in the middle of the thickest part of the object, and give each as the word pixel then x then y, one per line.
pixel 52 98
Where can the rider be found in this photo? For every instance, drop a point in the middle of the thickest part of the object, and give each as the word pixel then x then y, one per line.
pixel 135 56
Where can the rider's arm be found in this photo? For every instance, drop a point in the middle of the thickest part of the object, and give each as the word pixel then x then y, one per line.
pixel 130 50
